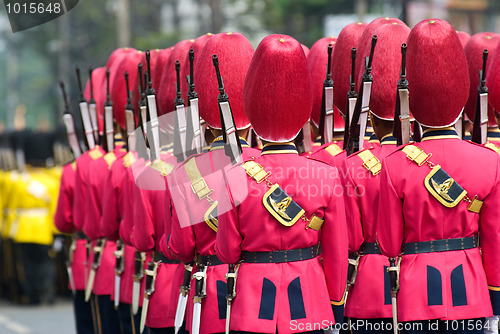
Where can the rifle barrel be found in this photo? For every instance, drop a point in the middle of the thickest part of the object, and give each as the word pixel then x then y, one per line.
pixel 77 69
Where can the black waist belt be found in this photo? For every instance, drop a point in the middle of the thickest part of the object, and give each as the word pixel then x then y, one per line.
pixel 282 256
pixel 209 260
pixel 159 256
pixel 80 235
pixel 443 245
pixel 371 248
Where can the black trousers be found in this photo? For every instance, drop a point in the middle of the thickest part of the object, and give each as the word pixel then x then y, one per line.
pixel 83 314
pixel 370 326
pixel 467 326
pixel 36 273
pixel 107 315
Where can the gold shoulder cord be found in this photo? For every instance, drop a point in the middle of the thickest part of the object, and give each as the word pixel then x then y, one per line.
pixel 257 172
pixel 201 189
pixel 109 157
pixel 418 156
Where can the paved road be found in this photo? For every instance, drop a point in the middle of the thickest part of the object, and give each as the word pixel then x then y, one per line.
pixel 53 319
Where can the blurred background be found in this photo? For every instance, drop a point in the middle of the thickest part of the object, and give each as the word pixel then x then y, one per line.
pixel 33 61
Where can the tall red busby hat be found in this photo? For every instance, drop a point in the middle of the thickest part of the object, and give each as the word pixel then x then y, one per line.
pixel 118 90
pixel 277 92
pixel 438 81
pixel 168 88
pixel 474 53
pixel 318 60
pixel 98 78
pixel 463 37
pixel 306 50
pixel 386 67
pixel 197 47
pixel 493 78
pixel 366 37
pixel 235 53
pixel 341 64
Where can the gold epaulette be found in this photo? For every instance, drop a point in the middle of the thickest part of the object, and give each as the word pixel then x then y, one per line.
pixel 415 154
pixel 109 157
pixel 163 167
pixel 492 147
pixel 128 159
pixel 333 149
pixel 95 153
pixel 73 165
pixel 370 162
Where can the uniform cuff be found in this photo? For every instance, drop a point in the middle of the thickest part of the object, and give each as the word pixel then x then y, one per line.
pixel 338 310
pixel 495 299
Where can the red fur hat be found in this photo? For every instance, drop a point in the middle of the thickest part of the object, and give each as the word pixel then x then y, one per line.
pixel 366 38
pixel 235 53
pixel 318 60
pixel 158 59
pixel 438 74
pixel 98 78
pixel 341 64
pixel 277 92
pixel 474 53
pixel 306 50
pixel 493 78
pixel 463 37
pixel 117 54
pixel 386 67
pixel 167 87
pixel 118 90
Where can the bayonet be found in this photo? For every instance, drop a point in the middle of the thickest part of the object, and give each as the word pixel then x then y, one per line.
pixel 193 131
pixel 180 146
pixel 93 108
pixel 129 117
pixel 108 117
pixel 98 249
pixel 119 264
pixel 70 125
pixel 326 119
pixel 352 96
pixel 84 110
pixel 151 273
pixel 232 145
pixel 182 301
pixel 153 113
pixel 402 123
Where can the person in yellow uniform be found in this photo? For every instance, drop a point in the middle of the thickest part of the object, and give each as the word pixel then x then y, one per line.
pixel 31 204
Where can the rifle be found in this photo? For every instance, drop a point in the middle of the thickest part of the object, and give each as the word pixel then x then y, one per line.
pixel 180 118
pixel 480 126
pixel 108 118
pixel 326 118
pixel 129 117
pixel 352 96
pixel 93 109
pixel 232 145
pixel 84 111
pixel 402 111
pixel 153 113
pixel 360 115
pixel 193 130
pixel 70 124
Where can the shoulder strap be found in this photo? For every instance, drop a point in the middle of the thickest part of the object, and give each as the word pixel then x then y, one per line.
pixel 492 147
pixel 128 159
pixel 370 161
pixel 333 149
pixel 95 153
pixel 109 157
pixel 163 167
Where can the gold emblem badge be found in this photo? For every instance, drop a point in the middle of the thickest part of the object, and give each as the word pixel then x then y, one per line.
pixel 443 187
pixel 282 206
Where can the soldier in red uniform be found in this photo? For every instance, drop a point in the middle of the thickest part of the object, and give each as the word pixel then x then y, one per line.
pixel 370 298
pixel 99 172
pixel 437 195
pixel 274 229
pixel 64 222
pixel 474 53
pixel 194 223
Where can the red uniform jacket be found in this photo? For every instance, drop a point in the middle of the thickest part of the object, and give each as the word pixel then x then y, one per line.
pixel 113 204
pixel 152 210
pixel 450 284
pixel 285 296
pixel 63 220
pixel 97 175
pixel 191 235
pixel 370 297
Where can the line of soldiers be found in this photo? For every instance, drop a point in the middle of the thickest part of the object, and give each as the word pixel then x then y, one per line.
pixel 266 230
